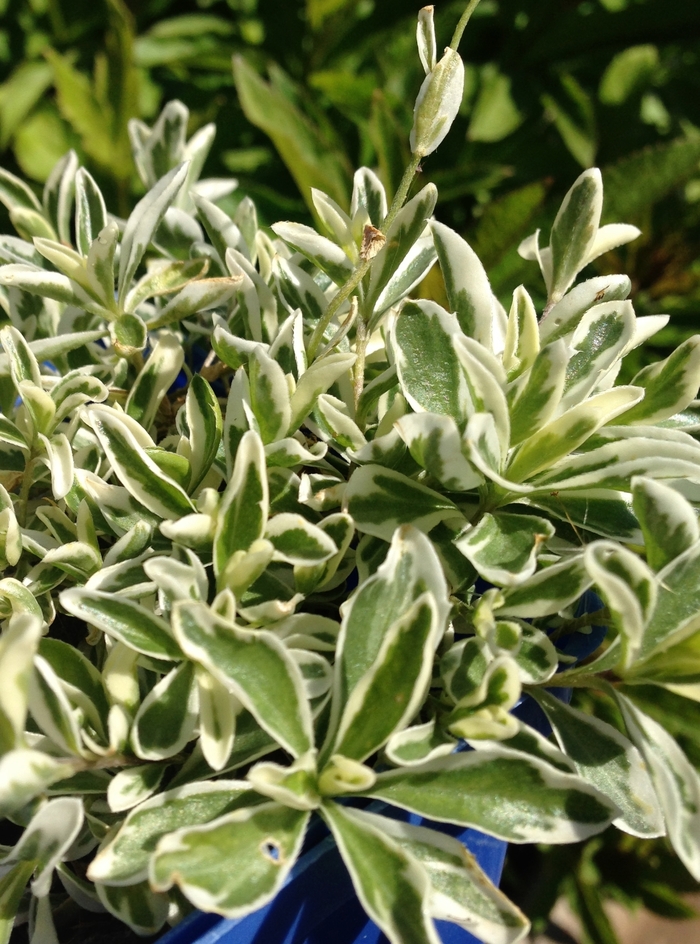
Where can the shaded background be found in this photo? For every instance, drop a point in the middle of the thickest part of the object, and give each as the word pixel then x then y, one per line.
pixel 323 86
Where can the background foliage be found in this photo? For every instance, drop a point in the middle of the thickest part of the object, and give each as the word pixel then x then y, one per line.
pixel 552 86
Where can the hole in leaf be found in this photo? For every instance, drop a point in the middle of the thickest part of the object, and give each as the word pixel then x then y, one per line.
pixel 272 851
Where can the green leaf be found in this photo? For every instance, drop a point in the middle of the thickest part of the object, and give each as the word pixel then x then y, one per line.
pixel 297 541
pixel 629 589
pixel 368 194
pixel 51 708
pixel 245 503
pixel 641 179
pixel 494 115
pixel 563 317
pixel 561 436
pixel 309 159
pixel 667 520
pixel 377 613
pixel 613 464
pixel 515 798
pixel 435 443
pixel 606 759
pixel 504 547
pixel 132 786
pixel 536 658
pixel 319 378
pixel 81 679
pixel 135 469
pixel 59 192
pixel 626 72
pixel 46 840
pixel 22 361
pixel 166 720
pixel 600 339
pixel 390 693
pixel 293 786
pixel 547 591
pixel 425 330
pixel 460 891
pixel 14 193
pixel 269 395
pixel 124 620
pixel 466 283
pixel 217 719
pixel 381 500
pixel 18 644
pixel 251 663
pixel 417 744
pixel 403 233
pixel 142 224
pixel 12 887
pixel 392 887
pixel 678 598
pixel 329 258
pixel 124 858
pixel 676 782
pixel 205 425
pixel 534 399
pixel 669 385
pixel 90 211
pixel 163 279
pixel 25 774
pixel 437 104
pixel 264 841
pixel 574 231
pixel 522 340
pixel 154 379
pixel 137 906
pixel 197 295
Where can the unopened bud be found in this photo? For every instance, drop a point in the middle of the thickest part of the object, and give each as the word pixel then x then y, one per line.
pixel 425 36
pixel 437 104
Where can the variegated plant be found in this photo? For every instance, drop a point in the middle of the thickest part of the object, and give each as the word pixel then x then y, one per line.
pixel 275 534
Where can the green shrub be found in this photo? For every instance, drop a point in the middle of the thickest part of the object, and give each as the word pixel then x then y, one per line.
pixel 274 534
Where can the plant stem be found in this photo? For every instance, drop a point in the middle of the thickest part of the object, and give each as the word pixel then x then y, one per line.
pixel 361 339
pixel 346 290
pixel 401 193
pixel 26 487
pixel 464 19
pixel 343 293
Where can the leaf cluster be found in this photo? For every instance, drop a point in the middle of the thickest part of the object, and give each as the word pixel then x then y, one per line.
pixel 280 541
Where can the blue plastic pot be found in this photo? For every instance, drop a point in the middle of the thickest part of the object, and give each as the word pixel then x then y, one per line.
pixel 318 904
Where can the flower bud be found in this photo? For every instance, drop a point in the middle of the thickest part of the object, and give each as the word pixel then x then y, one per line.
pixel 437 104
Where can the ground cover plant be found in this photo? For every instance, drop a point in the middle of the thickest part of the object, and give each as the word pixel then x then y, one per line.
pixel 278 536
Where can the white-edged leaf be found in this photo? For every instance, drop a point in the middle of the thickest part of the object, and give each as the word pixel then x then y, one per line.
pixel 629 589
pixel 668 521
pixel 143 222
pixel 123 859
pixel 165 721
pixel 574 231
pixel 676 782
pixel 504 547
pixel 460 891
pixel 380 500
pixel 264 842
pixel 251 663
pixel 467 285
pixel 388 695
pixel 605 758
pixel 244 506
pixel 137 472
pixel 520 799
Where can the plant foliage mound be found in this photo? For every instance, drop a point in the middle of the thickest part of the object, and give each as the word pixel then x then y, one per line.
pixel 276 534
